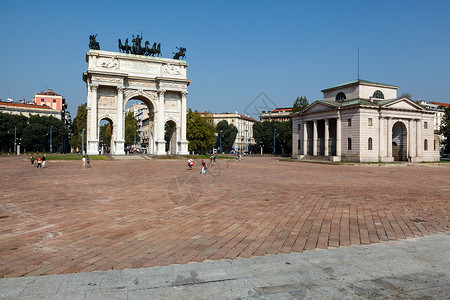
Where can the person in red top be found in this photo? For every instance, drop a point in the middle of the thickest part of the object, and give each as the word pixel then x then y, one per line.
pixel 38 161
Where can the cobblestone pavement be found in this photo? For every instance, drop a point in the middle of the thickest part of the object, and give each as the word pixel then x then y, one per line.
pixel 131 214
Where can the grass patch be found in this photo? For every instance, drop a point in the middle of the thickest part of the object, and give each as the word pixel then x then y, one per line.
pixel 74 157
pixel 437 162
pixel 208 156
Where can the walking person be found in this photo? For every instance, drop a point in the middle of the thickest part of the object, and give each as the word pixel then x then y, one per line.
pixel 190 163
pixel 38 162
pixel 203 167
pixel 43 160
pixel 84 161
pixel 32 160
pixel 88 162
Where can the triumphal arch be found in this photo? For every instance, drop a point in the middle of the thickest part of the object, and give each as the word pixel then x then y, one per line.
pixel 114 78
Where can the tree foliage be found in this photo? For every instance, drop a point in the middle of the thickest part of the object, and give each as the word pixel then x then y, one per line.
pixel 33 133
pixel 105 136
pixel 264 133
pixel 227 133
pixel 79 123
pixel 445 129
pixel 300 104
pixel 131 128
pixel 7 123
pixel 36 136
pixel 199 132
pixel 407 95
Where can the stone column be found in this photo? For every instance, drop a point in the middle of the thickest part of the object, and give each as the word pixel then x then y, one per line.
pixel 338 137
pixel 389 137
pixel 418 138
pixel 92 140
pixel 327 136
pixel 410 140
pixel 381 152
pixel 119 141
pixel 160 142
pixel 183 141
pixel 315 138
pixel 305 137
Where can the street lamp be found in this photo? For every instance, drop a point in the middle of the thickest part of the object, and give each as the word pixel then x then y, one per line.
pixel 246 140
pixel 82 141
pixel 15 140
pixel 274 132
pixel 220 141
pixel 51 139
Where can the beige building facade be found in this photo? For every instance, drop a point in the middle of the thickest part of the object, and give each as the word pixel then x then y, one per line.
pixel 364 121
pixel 244 125
pixel 27 110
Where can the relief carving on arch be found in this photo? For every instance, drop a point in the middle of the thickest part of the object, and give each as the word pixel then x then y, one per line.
pixel 171 105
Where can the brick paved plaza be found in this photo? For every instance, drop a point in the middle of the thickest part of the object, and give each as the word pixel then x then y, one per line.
pixel 131 214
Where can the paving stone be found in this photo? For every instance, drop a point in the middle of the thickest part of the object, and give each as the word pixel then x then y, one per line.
pixel 125 214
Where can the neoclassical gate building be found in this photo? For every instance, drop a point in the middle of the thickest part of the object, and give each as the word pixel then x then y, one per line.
pixel 113 78
pixel 365 121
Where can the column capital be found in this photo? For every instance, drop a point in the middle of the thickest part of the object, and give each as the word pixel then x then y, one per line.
pixel 120 89
pixel 161 92
pixel 184 93
pixel 94 87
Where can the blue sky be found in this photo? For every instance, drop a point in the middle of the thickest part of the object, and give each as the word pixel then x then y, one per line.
pixel 235 49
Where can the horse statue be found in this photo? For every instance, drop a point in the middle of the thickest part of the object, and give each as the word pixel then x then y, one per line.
pixel 158 50
pixel 180 54
pixel 124 48
pixel 93 44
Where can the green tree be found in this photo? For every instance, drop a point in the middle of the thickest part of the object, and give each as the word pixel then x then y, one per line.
pixel 226 132
pixel 265 132
pixel 300 104
pixel 199 132
pixel 445 129
pixel 36 136
pixel 105 136
pixel 79 123
pixel 7 123
pixel 131 128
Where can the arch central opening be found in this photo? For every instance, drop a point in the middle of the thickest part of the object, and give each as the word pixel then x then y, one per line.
pixel 139 126
pixel 399 142
pixel 106 136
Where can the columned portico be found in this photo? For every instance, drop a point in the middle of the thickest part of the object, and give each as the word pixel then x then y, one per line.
pixel 364 121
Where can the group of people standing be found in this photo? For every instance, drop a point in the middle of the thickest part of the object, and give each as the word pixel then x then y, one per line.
pixel 40 160
pixel 191 164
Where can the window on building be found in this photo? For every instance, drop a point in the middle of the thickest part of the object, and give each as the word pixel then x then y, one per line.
pixel 370 122
pixel 349 122
pixel 378 94
pixel 370 144
pixel 299 145
pixel 54 100
pixel 340 97
pixel 299 126
pixel 435 145
pixel 425 125
pixel 349 144
pixel 425 145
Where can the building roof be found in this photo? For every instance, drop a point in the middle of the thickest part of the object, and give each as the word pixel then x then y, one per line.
pixel 440 103
pixel 24 105
pixel 48 93
pixel 230 115
pixel 358 81
pixel 282 109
